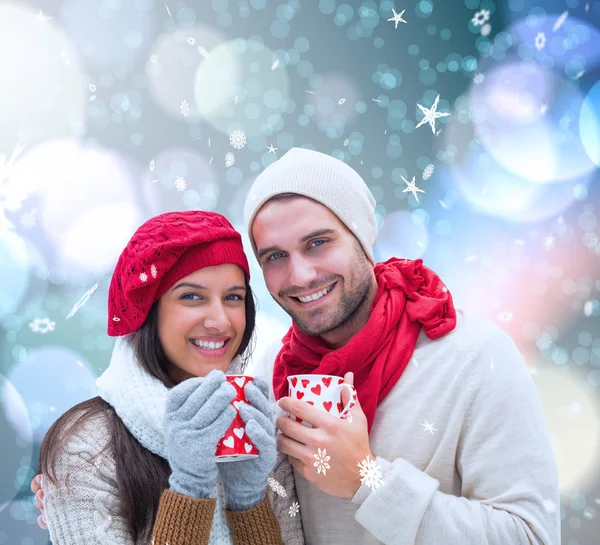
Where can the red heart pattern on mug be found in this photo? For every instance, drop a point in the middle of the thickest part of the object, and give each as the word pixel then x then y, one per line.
pixel 322 392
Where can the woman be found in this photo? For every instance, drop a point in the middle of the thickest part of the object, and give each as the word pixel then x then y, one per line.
pixel 137 464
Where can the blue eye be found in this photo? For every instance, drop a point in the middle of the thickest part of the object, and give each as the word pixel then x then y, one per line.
pixel 320 240
pixel 272 256
pixel 187 296
pixel 238 297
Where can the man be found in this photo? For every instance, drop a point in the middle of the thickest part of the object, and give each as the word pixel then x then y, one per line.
pixel 446 405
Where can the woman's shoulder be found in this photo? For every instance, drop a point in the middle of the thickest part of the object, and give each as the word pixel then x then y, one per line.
pixel 78 441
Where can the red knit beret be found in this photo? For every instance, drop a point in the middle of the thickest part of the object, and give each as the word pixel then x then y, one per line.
pixel 162 251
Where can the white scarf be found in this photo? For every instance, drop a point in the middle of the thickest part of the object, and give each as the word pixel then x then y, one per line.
pixel 139 398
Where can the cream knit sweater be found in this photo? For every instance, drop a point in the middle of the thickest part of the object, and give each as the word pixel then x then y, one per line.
pixel 84 507
pixel 464 450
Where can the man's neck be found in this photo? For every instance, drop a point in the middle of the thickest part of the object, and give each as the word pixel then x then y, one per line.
pixel 341 336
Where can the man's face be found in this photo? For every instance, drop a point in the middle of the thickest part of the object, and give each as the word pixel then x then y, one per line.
pixel 313 266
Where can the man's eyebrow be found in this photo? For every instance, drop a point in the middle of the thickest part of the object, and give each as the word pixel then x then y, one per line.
pixel 317 233
pixel 201 287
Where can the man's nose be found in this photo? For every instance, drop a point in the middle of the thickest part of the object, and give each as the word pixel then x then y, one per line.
pixel 301 271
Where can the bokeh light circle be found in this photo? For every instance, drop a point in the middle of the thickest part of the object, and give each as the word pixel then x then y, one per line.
pixel 51 380
pixel 81 189
pixel 240 77
pixel 403 234
pixel 43 92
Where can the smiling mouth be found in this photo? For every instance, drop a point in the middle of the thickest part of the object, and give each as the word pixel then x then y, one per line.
pixel 315 296
pixel 205 345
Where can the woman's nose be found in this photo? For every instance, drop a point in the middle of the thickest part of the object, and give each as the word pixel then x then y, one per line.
pixel 217 319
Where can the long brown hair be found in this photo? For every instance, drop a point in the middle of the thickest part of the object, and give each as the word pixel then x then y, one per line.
pixel 141 476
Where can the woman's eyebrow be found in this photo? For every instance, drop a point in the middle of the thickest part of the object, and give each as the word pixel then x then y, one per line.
pixel 201 287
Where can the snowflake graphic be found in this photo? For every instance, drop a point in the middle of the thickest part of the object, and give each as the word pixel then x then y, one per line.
pixel 82 301
pixel 153 271
pixel 486 29
pixel 92 87
pixel 370 472
pixel 412 188
pixel 11 195
pixel 277 487
pixel 28 219
pixel 237 139
pixel 229 159
pixel 152 165
pixel 191 40
pixel 202 51
pixel 185 108
pixel 428 427
pixel 346 142
pixel 116 319
pixel 397 18
pixel 478 78
pixel 342 101
pixel 321 462
pixel 275 64
pixel 180 183
pixel 143 277
pixel 431 114
pixel 540 41
pixel 153 59
pixel 294 509
pixel 481 17
pixel 42 325
pixel 428 172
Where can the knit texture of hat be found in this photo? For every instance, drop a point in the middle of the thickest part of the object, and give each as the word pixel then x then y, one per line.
pixel 324 179
pixel 161 252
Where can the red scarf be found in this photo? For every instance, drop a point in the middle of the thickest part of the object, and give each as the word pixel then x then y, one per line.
pixel 409 297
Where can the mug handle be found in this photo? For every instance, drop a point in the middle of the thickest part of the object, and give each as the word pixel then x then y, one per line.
pixel 352 390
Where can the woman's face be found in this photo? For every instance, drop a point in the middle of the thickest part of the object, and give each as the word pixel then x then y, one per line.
pixel 201 321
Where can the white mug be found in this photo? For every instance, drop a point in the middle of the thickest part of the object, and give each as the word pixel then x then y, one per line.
pixel 323 392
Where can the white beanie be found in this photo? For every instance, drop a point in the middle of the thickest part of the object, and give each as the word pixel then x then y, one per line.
pixel 323 178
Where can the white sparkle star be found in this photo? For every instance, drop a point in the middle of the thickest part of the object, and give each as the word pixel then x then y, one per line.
pixel 272 149
pixel 412 188
pixel 431 114
pixel 428 427
pixel 397 18
pixel 549 241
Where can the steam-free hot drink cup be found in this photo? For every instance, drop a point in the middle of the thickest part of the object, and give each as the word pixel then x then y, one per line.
pixel 323 392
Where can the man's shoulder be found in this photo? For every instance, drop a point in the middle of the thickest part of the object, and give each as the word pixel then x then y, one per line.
pixel 473 332
pixel 474 339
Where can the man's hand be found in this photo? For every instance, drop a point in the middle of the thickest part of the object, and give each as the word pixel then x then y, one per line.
pixel 346 442
pixel 36 488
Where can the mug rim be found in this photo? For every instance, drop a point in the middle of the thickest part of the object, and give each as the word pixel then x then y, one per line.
pixel 313 376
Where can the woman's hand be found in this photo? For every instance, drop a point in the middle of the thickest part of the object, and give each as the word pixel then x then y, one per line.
pixel 197 414
pixel 245 482
pixel 36 488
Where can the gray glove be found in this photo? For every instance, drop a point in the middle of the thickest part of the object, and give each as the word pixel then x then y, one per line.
pixel 245 482
pixel 198 412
